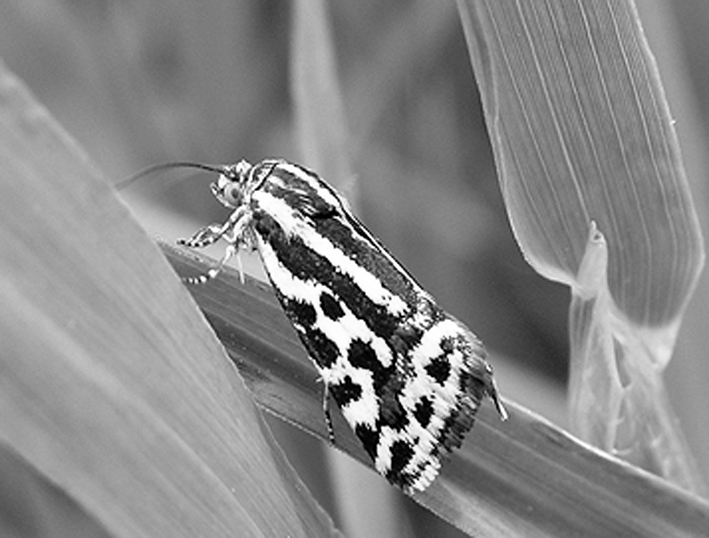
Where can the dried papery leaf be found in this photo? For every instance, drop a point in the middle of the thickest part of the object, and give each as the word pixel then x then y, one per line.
pixel 582 134
pixel 619 379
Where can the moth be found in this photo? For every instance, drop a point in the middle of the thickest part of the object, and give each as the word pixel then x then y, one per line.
pixel 407 376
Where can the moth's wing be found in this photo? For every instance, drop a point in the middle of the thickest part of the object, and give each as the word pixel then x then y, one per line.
pixel 343 211
pixel 441 379
pixel 377 338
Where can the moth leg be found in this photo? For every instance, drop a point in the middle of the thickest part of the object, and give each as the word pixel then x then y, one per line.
pixel 328 417
pixel 232 231
pixel 204 237
pixel 231 249
pixel 209 235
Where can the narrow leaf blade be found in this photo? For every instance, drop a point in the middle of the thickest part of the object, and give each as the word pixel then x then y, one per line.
pixel 585 147
pixel 112 385
pixel 522 477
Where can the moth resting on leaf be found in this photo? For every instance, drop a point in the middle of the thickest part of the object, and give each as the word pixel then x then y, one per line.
pixel 407 376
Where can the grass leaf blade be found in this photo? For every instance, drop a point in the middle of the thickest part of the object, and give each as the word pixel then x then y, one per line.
pixel 584 145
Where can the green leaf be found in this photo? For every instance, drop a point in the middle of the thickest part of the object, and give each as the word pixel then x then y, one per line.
pixel 111 384
pixel 585 148
pixel 522 477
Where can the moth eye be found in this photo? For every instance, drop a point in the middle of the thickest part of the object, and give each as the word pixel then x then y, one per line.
pixel 227 192
pixel 232 194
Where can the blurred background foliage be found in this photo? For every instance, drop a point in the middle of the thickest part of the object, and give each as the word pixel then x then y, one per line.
pixel 144 82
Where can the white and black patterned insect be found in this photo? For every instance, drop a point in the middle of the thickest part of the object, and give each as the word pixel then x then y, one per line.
pixel 407 376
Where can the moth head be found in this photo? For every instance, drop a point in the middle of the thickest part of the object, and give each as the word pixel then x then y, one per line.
pixel 231 185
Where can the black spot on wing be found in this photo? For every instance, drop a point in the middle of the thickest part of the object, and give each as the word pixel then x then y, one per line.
pixel 299 312
pixel 439 369
pixel 361 355
pixel 387 381
pixel 303 316
pixel 330 307
pixel 369 438
pixel 401 454
pixel 423 411
pixel 320 348
pixel 346 391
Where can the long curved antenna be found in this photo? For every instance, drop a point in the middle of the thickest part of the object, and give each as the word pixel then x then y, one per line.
pixel 165 166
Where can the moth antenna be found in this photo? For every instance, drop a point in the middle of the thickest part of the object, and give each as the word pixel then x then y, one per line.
pixel 166 166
